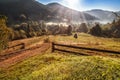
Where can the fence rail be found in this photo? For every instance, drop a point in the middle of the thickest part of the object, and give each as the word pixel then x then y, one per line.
pixel 77 47
pixel 21 44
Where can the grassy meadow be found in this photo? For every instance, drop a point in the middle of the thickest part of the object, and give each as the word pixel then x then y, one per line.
pixel 90 41
pixel 58 66
pixel 65 66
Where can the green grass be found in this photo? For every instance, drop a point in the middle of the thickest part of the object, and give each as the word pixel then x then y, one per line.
pixel 90 41
pixel 58 66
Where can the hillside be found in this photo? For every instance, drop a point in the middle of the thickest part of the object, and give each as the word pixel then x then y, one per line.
pixel 54 42
pixel 34 10
pixel 30 8
pixel 65 13
pixel 64 66
pixel 103 15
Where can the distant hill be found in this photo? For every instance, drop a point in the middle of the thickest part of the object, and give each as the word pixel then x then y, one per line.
pixel 65 13
pixel 103 15
pixel 118 13
pixel 30 8
pixel 37 11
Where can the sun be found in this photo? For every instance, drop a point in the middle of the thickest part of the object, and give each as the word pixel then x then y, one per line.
pixel 73 4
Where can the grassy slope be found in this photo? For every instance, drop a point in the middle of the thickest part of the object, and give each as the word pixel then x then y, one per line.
pixel 91 41
pixel 59 66
pixel 64 67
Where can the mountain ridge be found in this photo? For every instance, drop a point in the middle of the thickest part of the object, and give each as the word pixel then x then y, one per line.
pixel 66 13
pixel 37 11
pixel 103 15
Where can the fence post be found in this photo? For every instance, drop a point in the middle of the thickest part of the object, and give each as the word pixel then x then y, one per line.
pixel 23 46
pixel 53 46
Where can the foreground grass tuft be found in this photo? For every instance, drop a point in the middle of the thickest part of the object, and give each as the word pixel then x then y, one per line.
pixel 64 67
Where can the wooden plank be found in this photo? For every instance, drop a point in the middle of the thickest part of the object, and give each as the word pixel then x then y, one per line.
pixel 92 49
pixel 23 45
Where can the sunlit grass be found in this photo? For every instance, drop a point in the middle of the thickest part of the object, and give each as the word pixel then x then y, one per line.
pixel 58 66
pixel 90 41
pixel 83 39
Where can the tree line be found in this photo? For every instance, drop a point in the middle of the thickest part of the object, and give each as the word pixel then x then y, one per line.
pixel 28 28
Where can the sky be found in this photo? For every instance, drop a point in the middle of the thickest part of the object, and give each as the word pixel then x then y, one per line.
pixel 84 5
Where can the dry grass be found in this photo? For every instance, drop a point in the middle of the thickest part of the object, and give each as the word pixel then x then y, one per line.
pixel 58 66
pixel 89 41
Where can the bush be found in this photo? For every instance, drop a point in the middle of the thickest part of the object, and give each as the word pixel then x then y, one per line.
pixel 32 34
pixel 22 34
pixel 46 40
pixel 16 35
pixel 5 33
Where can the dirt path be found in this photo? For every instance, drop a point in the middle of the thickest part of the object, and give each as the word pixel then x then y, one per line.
pixel 24 55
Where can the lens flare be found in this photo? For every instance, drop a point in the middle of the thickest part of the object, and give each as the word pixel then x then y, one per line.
pixel 74 4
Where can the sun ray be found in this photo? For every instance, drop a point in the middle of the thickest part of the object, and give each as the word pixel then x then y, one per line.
pixel 77 5
pixel 74 4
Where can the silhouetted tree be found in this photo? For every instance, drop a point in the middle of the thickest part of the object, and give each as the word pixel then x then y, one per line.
pixel 83 28
pixel 113 22
pixel 69 30
pixel 23 17
pixel 116 33
pixel 96 30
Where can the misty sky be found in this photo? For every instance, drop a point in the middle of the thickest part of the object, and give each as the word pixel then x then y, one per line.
pixel 83 5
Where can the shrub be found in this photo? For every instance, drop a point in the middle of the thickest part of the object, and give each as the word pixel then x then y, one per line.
pixel 46 40
pixel 32 34
pixel 22 34
pixel 16 35
pixel 5 33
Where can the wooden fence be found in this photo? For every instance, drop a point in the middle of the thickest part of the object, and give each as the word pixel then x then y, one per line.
pixel 21 44
pixel 77 47
pixel 12 53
